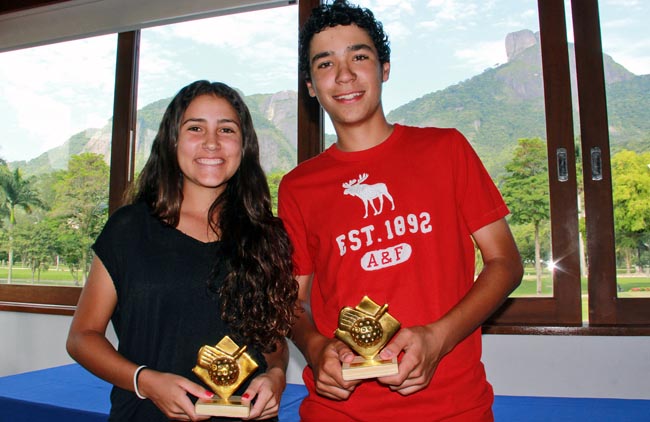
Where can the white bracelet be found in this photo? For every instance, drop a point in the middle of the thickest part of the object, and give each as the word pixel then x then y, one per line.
pixel 135 382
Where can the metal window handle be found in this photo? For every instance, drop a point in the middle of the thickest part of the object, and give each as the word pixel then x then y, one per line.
pixel 562 165
pixel 596 164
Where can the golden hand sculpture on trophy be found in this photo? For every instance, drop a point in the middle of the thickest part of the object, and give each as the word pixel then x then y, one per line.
pixel 224 367
pixel 366 329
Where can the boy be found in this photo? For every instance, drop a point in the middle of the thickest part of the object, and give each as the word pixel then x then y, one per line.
pixel 390 212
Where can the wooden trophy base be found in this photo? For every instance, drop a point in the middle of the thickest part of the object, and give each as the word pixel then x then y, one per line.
pixel 216 406
pixel 361 368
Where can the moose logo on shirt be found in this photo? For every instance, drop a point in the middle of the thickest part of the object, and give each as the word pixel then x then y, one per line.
pixel 368 193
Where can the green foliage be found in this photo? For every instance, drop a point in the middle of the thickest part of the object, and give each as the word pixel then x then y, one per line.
pixel 525 189
pixel 631 200
pixel 525 186
pixel 36 244
pixel 628 110
pixel 631 191
pixel 524 235
pixel 18 192
pixel 82 202
pixel 273 180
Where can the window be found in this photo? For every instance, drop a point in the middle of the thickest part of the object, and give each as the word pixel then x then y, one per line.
pixel 602 164
pixel 561 311
pixel 119 138
pixel 231 49
pixel 56 102
pixel 580 149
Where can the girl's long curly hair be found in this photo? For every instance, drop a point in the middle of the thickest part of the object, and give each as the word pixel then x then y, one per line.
pixel 259 293
pixel 340 12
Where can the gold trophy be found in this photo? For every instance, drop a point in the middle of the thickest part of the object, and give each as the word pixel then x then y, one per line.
pixel 366 329
pixel 224 367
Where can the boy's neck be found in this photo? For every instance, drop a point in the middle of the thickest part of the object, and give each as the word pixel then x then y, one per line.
pixel 351 138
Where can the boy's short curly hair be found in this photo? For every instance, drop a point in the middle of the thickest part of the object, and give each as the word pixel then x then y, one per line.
pixel 340 12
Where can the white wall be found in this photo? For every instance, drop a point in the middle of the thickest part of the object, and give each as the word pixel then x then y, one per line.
pixel 568 366
pixel 34 341
pixel 517 365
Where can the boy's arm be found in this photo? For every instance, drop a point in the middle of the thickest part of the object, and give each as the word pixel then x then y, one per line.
pixel 324 355
pixel 501 274
pixel 424 346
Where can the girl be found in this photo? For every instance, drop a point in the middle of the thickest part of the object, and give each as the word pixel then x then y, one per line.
pixel 196 255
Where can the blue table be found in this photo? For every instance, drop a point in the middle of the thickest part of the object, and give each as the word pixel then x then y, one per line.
pixel 70 393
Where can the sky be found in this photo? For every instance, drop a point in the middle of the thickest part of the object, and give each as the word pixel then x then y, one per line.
pixel 51 92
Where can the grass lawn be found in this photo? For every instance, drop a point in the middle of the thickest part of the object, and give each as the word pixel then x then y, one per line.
pixel 629 286
pixel 51 277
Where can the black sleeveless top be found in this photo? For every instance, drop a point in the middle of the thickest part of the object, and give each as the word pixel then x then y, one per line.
pixel 164 311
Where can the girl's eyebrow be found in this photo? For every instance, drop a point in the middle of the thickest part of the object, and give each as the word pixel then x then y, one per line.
pixel 193 119
pixel 353 47
pixel 202 120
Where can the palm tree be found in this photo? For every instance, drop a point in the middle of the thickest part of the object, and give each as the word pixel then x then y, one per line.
pixel 18 192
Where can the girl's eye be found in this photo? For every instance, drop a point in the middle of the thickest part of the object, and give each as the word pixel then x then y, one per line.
pixel 194 129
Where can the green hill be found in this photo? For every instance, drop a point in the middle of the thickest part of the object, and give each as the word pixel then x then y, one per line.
pixel 493 110
pixel 277 146
pixel 506 103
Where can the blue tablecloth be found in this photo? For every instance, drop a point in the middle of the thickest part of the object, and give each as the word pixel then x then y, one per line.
pixel 70 393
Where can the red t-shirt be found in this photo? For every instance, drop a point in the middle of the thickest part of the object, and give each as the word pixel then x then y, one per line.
pixel 394 222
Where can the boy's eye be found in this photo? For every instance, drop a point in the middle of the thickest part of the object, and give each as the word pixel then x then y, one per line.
pixel 360 57
pixel 323 65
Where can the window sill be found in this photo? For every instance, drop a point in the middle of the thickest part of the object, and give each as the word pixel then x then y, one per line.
pixel 37 308
pixel 39 299
pixel 584 330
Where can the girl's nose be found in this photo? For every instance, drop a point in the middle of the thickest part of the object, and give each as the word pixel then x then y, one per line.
pixel 211 142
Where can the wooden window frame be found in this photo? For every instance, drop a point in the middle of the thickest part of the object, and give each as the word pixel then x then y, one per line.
pixel 605 307
pixel 63 300
pixel 559 314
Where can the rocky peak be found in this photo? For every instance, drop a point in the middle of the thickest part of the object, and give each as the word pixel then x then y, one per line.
pixel 516 42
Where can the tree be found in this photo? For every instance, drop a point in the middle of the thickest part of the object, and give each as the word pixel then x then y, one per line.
pixel 273 180
pixel 631 201
pixel 36 242
pixel 525 189
pixel 82 202
pixel 18 193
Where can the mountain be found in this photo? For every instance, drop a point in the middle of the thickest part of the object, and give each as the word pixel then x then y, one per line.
pixel 274 117
pixel 506 103
pixel 492 109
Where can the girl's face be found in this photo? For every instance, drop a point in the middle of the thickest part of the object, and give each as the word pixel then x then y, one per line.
pixel 209 145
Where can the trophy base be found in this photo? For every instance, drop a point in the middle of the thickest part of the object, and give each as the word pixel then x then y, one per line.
pixel 361 368
pixel 216 406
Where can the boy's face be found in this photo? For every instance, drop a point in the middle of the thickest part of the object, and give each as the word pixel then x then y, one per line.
pixel 346 76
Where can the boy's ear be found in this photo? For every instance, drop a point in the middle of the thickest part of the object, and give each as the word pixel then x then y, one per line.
pixel 385 71
pixel 310 88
